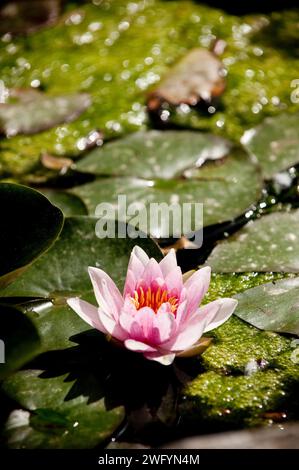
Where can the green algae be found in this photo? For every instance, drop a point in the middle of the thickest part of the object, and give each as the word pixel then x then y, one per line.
pixel 224 393
pixel 118 50
pixel 227 285
pixel 236 344
pixel 236 401
pixel 227 392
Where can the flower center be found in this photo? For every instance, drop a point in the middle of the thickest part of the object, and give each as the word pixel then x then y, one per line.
pixel 154 298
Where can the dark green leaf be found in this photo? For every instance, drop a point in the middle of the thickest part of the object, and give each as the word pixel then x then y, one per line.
pixel 30 225
pixel 62 271
pixel 55 420
pixel 19 340
pixel 56 324
pixel 68 203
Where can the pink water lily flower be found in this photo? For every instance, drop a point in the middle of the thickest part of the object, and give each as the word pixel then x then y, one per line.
pixel 158 314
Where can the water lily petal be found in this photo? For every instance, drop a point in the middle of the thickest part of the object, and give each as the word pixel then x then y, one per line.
pixel 168 263
pixel 88 313
pixel 181 313
pixel 138 346
pixel 165 322
pixel 196 287
pixel 139 254
pixel 151 273
pixel 225 308
pixel 144 329
pixel 130 283
pixel 197 348
pixel 187 335
pixel 126 320
pixel 202 277
pixel 127 314
pixel 174 280
pixel 112 327
pixel 137 264
pixel 107 294
pixel 164 359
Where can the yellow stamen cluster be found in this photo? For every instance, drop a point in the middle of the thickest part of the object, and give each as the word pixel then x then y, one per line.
pixel 154 299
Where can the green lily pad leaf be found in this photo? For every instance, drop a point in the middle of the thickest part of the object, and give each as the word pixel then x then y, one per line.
pixel 32 224
pixel 19 340
pixel 68 203
pixel 181 167
pixel 56 323
pixel 273 306
pixel 52 418
pixel 36 112
pixel 267 244
pixel 62 271
pixel 154 154
pixel 275 143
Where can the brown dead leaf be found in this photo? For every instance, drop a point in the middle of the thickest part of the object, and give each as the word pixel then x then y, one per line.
pixel 198 76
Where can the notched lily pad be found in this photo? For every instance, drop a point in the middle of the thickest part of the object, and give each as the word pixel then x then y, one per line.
pixel 33 112
pixel 274 143
pixel 31 225
pixel 197 78
pixel 173 167
pixel 68 203
pixel 273 306
pixel 265 245
pixel 62 271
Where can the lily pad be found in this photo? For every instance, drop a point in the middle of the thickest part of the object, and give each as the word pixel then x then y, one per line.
pixel 40 112
pixel 55 420
pixel 181 167
pixel 19 340
pixel 155 154
pixel 273 306
pixel 31 225
pixel 267 244
pixel 68 203
pixel 62 271
pixel 275 143
pixel 56 323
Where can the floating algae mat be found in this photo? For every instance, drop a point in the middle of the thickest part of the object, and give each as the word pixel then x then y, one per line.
pixel 118 51
pixel 96 100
